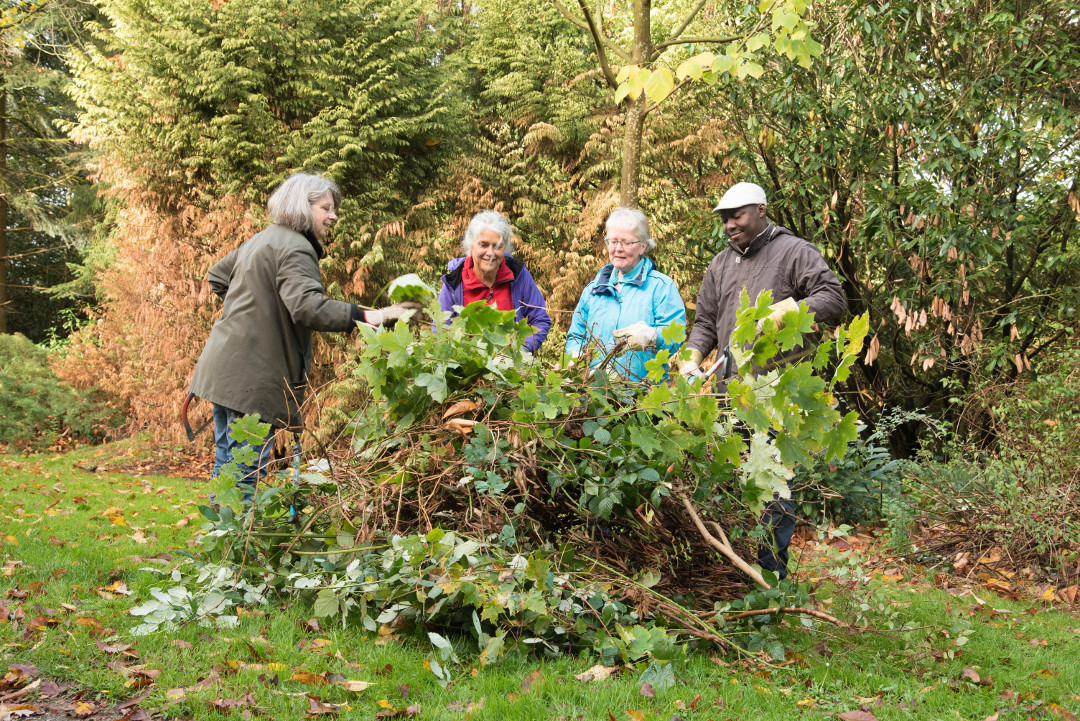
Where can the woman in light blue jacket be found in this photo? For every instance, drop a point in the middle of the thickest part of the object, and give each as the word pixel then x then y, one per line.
pixel 629 300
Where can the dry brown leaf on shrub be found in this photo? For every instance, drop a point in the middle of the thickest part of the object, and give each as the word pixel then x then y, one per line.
pixel 461 425
pixel 459 408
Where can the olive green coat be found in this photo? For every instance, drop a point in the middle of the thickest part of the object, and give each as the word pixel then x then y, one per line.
pixel 258 353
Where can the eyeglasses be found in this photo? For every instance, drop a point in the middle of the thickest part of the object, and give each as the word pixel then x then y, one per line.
pixel 621 243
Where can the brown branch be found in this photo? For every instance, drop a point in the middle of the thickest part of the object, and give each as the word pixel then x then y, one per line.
pixel 600 41
pixel 723 546
pixel 787 609
pixel 685 23
pixel 687 41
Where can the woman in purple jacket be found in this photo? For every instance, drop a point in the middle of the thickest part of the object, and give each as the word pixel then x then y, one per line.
pixel 488 272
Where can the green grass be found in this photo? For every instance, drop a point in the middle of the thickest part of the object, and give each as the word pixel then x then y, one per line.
pixel 63 525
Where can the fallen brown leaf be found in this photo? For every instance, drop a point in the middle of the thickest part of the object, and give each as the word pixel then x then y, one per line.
pixel 857 716
pixel 534 678
pixel 316 707
pixel 599 672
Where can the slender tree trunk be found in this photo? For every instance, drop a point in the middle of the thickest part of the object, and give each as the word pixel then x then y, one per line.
pixel 642 53
pixel 631 161
pixel 3 208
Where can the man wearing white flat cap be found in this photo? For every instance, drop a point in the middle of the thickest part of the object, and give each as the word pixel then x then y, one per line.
pixel 760 256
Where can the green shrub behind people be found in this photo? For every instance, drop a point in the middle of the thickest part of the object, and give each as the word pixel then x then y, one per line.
pixel 37 408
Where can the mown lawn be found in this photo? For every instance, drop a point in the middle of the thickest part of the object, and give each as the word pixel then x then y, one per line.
pixel 82 546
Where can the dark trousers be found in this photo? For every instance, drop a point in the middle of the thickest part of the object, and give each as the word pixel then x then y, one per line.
pixel 779 518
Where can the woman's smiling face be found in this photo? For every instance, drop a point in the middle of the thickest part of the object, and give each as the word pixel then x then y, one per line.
pixel 487 253
pixel 624 249
pixel 324 215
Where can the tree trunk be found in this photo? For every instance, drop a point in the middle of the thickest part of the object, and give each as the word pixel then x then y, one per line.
pixel 642 53
pixel 3 208
pixel 631 161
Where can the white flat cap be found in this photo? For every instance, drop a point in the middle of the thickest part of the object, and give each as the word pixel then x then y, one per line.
pixel 741 194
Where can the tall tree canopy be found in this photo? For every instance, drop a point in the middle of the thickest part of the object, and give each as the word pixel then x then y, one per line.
pixel 934 153
pixel 43 185
pixel 929 149
pixel 197 110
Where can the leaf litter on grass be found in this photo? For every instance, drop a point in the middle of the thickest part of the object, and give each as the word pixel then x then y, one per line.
pixel 976 611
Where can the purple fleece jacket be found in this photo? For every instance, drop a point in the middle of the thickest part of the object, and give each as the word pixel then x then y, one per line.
pixel 528 300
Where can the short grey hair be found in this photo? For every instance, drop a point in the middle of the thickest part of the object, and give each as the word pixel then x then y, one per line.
pixel 290 204
pixel 488 220
pixel 633 220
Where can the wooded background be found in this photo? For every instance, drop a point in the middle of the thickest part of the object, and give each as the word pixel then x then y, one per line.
pixel 928 148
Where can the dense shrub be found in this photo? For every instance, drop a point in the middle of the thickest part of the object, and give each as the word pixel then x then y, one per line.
pixel 36 408
pixel 1010 505
pixel 866 483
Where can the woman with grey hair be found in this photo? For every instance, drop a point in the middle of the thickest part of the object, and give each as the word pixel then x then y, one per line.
pixel 629 300
pixel 488 272
pixel 259 352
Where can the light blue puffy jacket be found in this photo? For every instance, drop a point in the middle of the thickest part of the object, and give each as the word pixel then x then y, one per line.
pixel 647 295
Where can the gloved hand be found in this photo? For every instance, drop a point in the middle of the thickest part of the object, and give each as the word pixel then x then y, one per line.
pixel 391 313
pixel 778 309
pixel 691 369
pixel 637 335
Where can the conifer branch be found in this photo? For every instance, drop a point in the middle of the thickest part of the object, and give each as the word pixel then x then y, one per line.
pixel 17 20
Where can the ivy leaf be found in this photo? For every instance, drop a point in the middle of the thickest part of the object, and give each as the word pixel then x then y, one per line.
pixel 326 604
pixel 646 439
pixel 434 383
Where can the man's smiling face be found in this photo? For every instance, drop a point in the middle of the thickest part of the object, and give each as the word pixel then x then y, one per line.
pixel 744 224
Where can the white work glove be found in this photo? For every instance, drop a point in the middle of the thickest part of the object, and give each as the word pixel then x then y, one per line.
pixel 390 314
pixel 778 310
pixel 637 335
pixel 691 369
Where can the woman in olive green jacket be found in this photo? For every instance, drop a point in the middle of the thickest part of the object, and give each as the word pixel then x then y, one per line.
pixel 259 352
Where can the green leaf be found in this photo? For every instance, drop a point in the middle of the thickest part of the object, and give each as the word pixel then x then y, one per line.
pixel 327 604
pixel 638 78
pixel 660 84
pixel 409 287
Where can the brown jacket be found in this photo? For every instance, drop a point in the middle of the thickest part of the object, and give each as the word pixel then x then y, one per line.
pixel 778 261
pixel 259 351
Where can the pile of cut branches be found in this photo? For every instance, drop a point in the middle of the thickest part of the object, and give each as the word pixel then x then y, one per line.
pixel 559 507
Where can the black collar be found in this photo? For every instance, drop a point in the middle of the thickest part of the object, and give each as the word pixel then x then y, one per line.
pixel 315 244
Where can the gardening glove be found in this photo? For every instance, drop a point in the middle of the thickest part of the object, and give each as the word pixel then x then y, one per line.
pixel 391 313
pixel 691 367
pixel 778 310
pixel 637 335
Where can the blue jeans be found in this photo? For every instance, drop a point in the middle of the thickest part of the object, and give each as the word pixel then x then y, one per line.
pixel 248 474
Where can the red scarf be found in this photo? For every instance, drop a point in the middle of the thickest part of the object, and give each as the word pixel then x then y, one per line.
pixel 473 289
